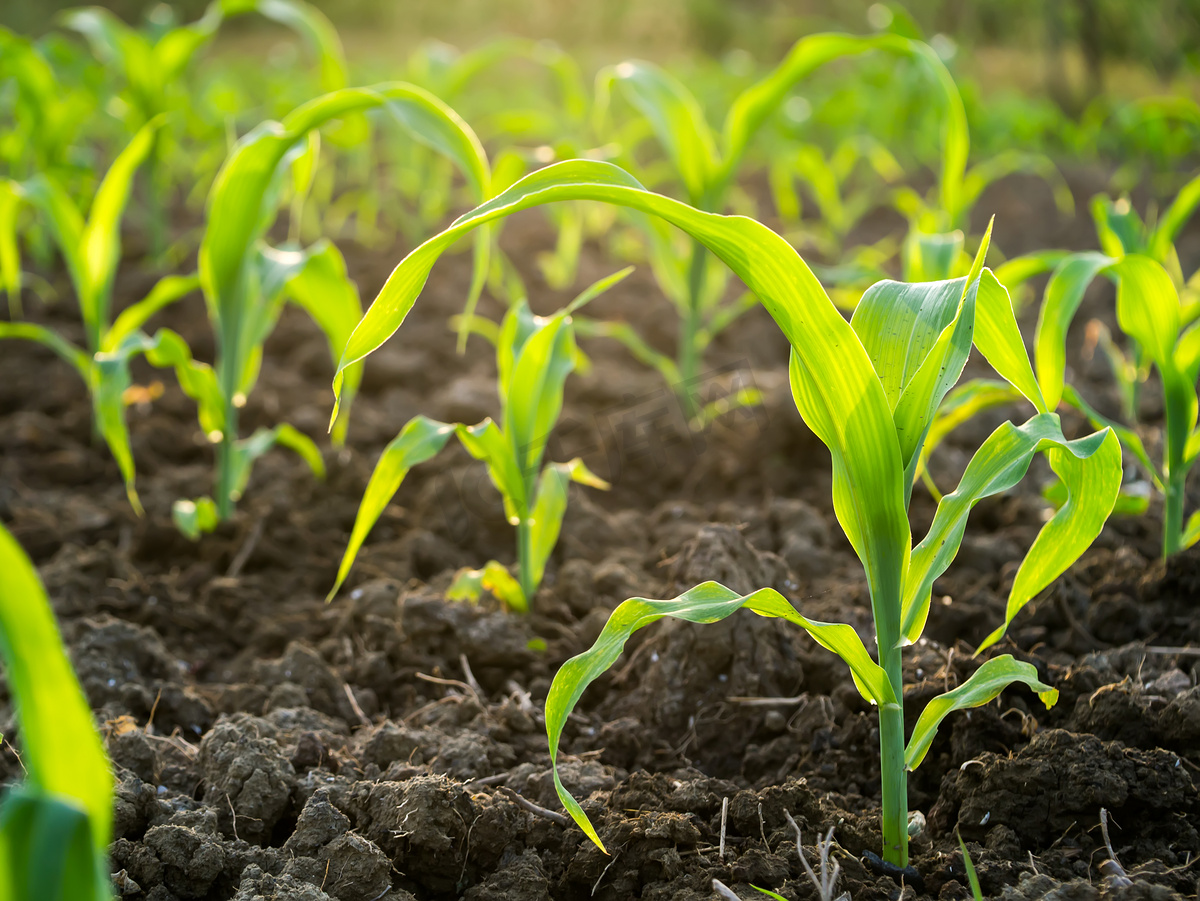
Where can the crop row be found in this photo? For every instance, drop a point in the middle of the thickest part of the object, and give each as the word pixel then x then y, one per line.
pixel 632 158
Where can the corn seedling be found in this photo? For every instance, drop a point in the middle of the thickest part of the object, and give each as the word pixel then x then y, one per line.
pixel 151 67
pixel 868 389
pixel 1164 335
pixel 91 248
pixel 246 281
pixel 54 828
pixel 534 356
pixel 706 166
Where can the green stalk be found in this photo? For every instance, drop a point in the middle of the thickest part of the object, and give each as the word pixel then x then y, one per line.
pixel 689 357
pixel 1173 514
pixel 525 558
pixel 893 776
pixel 225 461
pixel 228 374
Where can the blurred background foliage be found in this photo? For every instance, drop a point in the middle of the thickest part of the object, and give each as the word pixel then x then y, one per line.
pixel 1078 45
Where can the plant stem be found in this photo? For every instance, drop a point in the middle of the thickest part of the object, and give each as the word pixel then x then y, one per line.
pixel 525 559
pixel 689 327
pixel 226 453
pixel 1173 515
pixel 893 776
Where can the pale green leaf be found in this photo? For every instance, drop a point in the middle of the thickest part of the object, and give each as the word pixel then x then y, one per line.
pixel 1064 292
pixel 999 339
pixel 706 603
pixel 419 440
pixel 62 753
pixel 985 684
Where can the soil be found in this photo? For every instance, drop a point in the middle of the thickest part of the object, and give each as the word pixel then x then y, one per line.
pixel 391 744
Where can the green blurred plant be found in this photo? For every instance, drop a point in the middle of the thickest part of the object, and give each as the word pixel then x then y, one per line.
pixel 707 166
pixel 868 389
pixel 1157 311
pixel 91 249
pixel 55 827
pixel 246 282
pixel 151 66
pixel 534 356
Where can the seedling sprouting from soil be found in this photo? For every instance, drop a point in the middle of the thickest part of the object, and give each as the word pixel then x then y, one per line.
pixel 534 356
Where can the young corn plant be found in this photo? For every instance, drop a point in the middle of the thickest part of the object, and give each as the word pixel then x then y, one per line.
pixel 151 67
pixel 246 282
pixel 91 248
pixel 1157 311
pixel 534 356
pixel 869 389
pixel 707 165
pixel 56 826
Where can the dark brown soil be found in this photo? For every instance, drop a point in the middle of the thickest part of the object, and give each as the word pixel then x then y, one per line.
pixel 387 745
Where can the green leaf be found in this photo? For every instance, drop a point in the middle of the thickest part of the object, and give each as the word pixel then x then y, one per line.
pixel 323 289
pixel 243 197
pixel 1173 220
pixel 985 683
pixel 165 292
pixel 10 254
pixel 250 449
pixel 63 755
pixel 47 851
pixel 100 241
pixel 1064 293
pixel 311 24
pixel 969 867
pixel 999 340
pixel 1091 469
pixel 1015 272
pixel 197 379
pixel 485 441
pixel 534 395
pixel 709 602
pixel 1129 439
pixel 549 505
pixel 1148 310
pixel 677 120
pixel 30 331
pixel 960 405
pixel 419 440
pixel 919 338
pixel 931 257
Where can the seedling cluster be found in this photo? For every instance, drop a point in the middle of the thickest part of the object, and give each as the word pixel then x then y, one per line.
pixel 279 174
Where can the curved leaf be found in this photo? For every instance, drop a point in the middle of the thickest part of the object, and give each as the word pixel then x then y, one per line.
pixel 1091 469
pixel 419 440
pixel 549 506
pixel 1064 293
pixel 165 292
pixel 706 603
pixel 677 120
pixel 1000 341
pixel 985 683
pixel 63 754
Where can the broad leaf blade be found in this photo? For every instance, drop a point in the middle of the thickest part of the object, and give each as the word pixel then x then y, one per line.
pixel 63 754
pixel 1064 293
pixel 706 603
pixel 1093 479
pixel 984 684
pixel 419 440
pixel 999 339
pixel 1091 470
